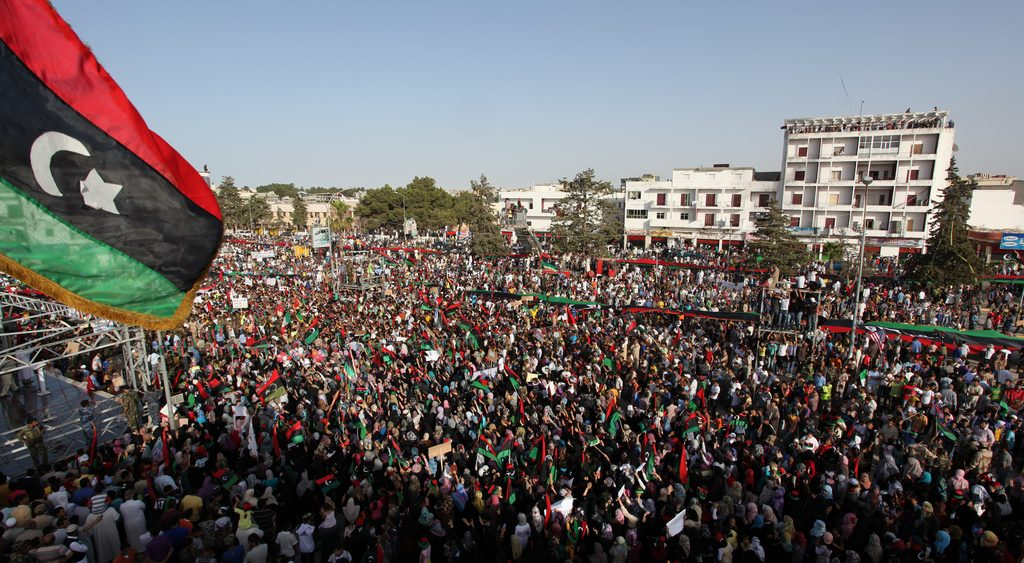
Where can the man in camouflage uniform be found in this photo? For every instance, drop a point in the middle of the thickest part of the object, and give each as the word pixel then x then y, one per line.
pixel 32 436
pixel 132 408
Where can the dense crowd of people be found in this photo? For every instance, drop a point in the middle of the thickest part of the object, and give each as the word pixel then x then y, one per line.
pixel 445 408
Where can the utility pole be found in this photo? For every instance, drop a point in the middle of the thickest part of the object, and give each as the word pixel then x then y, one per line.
pixel 172 422
pixel 860 262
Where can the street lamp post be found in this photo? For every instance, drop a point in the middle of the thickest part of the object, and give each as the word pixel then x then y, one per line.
pixel 405 220
pixel 860 263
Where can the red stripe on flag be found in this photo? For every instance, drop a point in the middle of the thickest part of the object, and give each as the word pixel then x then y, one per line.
pixel 49 48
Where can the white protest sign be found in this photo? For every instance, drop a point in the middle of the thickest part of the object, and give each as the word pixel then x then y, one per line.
pixel 321 237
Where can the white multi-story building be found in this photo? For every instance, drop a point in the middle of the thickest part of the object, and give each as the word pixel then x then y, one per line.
pixel 538 202
pixel 698 206
pixel 825 163
pixel 997 209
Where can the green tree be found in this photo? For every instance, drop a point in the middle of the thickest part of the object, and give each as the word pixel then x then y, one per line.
pixel 341 218
pixel 300 213
pixel 431 206
pixel 281 190
pixel 484 190
pixel 421 199
pixel 473 207
pixel 775 244
pixel 951 258
pixel 231 204
pixel 836 252
pixel 381 208
pixel 257 211
pixel 581 218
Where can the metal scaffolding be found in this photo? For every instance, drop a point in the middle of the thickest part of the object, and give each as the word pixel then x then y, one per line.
pixel 36 336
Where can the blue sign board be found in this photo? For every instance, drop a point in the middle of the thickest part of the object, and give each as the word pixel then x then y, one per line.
pixel 1012 241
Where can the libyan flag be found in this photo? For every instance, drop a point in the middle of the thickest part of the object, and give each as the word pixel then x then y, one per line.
pixel 99 212
pixel 271 389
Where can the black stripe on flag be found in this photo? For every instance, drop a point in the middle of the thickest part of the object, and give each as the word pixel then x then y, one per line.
pixel 155 224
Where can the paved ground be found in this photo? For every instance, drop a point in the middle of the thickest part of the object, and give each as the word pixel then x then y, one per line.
pixel 58 412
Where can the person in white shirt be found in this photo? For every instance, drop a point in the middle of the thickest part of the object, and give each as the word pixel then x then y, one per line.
pixel 307 544
pixel 286 543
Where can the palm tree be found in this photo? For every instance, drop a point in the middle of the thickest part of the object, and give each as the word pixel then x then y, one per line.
pixel 341 216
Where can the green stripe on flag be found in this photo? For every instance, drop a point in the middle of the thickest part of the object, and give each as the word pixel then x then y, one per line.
pixel 486 454
pixel 947 433
pixel 613 423
pixel 38 240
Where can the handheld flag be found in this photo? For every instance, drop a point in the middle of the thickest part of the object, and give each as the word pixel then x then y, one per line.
pixel 98 211
pixel 271 389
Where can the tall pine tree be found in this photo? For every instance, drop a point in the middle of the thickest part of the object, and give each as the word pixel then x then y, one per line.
pixel 951 258
pixel 582 219
pixel 775 244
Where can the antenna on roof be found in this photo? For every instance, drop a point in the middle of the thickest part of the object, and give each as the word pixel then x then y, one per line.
pixel 849 106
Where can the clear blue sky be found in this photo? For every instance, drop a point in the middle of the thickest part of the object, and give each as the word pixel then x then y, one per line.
pixel 365 93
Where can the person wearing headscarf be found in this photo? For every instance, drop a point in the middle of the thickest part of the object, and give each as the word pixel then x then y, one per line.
pixel 873 550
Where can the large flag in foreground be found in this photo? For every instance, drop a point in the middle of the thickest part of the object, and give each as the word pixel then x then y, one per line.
pixel 96 210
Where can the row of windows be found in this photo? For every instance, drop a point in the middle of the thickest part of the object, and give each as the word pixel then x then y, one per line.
pixel 913 200
pixel 837 175
pixel 709 218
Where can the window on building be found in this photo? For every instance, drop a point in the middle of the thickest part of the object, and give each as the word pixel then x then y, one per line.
pixel 660 215
pixel 837 175
pixel 636 214
pixel 917 148
pixel 684 200
pixel 661 199
pixel 798 198
pixel 833 199
pixel 857 200
pixel 737 200
pixel 801 151
pixel 883 199
pixel 764 200
pixel 530 206
pixel 911 200
pixel 794 221
pixel 799 175
pixel 912 174
pixel 830 223
pixel 710 200
pixel 869 223
pixel 886 143
pixel 734 220
pixel 634 195
pixel 709 220
pixel 684 216
pixel 910 224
